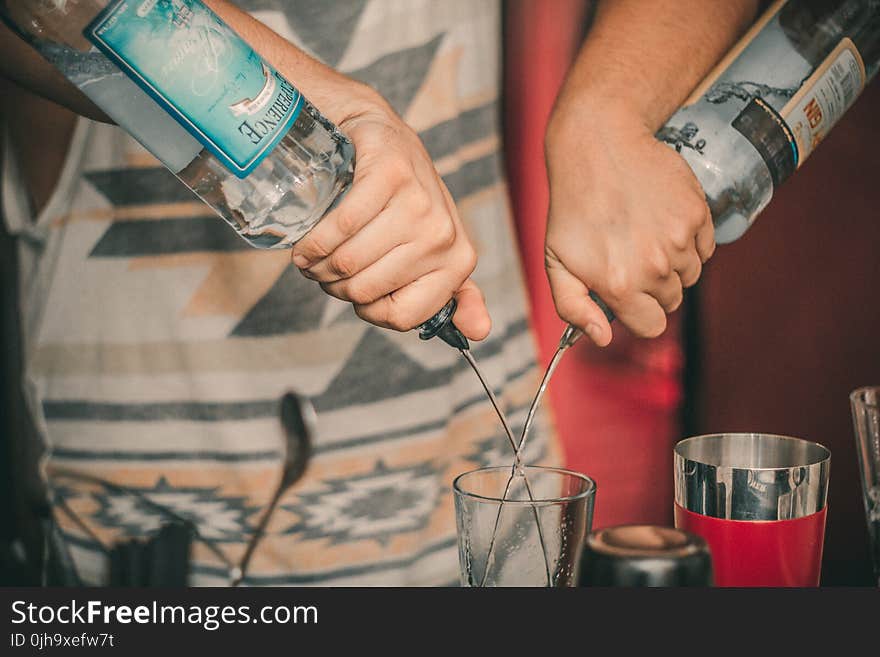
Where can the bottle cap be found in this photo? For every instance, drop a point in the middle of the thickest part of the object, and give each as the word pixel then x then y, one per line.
pixel 645 555
pixel 441 325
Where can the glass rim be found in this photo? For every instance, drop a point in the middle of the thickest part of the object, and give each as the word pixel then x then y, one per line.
pixel 681 447
pixel 589 488
pixel 857 396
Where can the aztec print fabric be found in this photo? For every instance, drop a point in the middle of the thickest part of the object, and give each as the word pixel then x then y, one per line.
pixel 158 343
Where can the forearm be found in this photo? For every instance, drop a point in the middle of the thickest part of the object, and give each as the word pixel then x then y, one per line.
pixel 642 58
pixel 333 93
pixel 22 65
pixel 627 218
pixel 336 96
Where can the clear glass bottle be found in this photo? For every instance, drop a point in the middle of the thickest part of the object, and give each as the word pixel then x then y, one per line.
pixel 173 75
pixel 194 94
pixel 766 106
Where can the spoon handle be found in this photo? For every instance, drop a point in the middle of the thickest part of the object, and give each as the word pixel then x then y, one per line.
pixel 298 421
pixel 238 573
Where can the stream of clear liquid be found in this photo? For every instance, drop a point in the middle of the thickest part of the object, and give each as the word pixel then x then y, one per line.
pixel 569 337
pixel 533 409
pixel 517 470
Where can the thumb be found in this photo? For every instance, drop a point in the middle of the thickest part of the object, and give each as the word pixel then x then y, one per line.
pixel 574 305
pixel 471 317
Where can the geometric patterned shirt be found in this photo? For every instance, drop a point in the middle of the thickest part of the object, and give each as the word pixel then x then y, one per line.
pixel 158 343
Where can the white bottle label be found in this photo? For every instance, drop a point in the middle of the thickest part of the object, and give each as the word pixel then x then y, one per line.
pixel 825 96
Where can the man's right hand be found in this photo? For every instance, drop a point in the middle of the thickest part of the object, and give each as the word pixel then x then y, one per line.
pixel 395 246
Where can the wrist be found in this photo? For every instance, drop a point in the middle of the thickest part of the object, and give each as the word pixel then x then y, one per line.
pixel 342 99
pixel 588 117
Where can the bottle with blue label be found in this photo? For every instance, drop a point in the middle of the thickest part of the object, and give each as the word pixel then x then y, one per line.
pixel 173 75
pixel 193 93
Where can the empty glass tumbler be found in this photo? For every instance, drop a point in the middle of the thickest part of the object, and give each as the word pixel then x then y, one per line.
pixel 525 530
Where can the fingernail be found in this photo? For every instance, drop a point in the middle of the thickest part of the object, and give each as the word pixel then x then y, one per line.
pixel 594 331
pixel 301 261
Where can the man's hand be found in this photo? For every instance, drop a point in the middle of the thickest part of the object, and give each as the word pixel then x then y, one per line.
pixel 628 220
pixel 395 246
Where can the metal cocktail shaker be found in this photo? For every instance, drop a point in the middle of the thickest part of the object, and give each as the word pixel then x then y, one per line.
pixel 759 500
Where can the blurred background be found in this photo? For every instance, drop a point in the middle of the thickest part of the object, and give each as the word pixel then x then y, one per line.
pixel 784 324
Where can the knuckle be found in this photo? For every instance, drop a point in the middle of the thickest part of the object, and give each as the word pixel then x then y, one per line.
pixel 697 213
pixel 681 235
pixel 334 290
pixel 445 234
pixel 400 318
pixel 314 248
pixel 469 259
pixel 619 283
pixel 658 262
pixel 368 314
pixel 360 293
pixel 342 264
pixel 398 170
pixel 347 222
pixel 420 203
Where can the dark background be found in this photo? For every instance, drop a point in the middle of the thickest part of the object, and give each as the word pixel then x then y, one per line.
pixel 785 323
pixel 789 321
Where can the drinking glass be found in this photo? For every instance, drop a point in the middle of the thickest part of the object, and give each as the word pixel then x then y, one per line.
pixel 759 500
pixel 525 530
pixel 865 404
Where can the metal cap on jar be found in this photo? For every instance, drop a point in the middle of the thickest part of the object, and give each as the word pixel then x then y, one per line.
pixel 645 555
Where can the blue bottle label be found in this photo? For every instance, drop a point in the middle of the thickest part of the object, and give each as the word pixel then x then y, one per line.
pixel 202 73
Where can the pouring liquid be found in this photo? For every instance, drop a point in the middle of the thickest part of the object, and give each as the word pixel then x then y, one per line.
pixel 569 337
pixel 539 395
pixel 516 471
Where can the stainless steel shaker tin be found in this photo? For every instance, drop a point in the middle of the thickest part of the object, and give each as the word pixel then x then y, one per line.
pixel 751 476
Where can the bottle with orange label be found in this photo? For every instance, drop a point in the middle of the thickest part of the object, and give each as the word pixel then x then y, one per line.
pixel 766 106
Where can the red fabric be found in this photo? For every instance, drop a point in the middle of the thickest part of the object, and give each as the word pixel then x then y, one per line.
pixel 616 409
